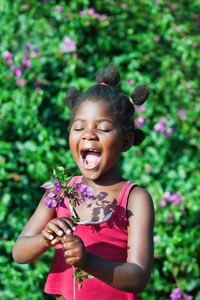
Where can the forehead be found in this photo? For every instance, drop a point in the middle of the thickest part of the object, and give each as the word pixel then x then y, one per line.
pixel 93 108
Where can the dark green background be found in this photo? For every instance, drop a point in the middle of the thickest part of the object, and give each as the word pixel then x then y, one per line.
pixel 151 42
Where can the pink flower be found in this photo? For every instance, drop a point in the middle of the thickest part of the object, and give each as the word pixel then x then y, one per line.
pixel 148 168
pixel 178 29
pixel 139 121
pixel 59 8
pixel 81 193
pixel 130 81
pixel 26 63
pixel 168 131
pixel 91 11
pixel 187 297
pixel 157 239
pixel 7 55
pixel 159 127
pixel 182 115
pixel 17 71
pixel 68 45
pixel 176 294
pixel 82 13
pixel 21 82
pixel 157 39
pixel 140 108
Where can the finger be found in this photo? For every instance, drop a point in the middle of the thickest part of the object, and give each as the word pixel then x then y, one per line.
pixel 55 241
pixel 64 224
pixel 51 226
pixel 70 222
pixel 47 235
pixel 69 239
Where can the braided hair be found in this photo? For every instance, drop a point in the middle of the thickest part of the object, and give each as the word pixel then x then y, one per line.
pixel 121 106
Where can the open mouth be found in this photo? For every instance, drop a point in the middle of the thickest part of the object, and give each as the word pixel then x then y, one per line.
pixel 91 158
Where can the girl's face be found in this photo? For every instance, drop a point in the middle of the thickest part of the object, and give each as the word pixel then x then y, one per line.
pixel 96 140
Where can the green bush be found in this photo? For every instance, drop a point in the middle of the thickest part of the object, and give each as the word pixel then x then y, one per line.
pixel 48 46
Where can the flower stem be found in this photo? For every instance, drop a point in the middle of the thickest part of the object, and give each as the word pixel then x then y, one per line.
pixel 74 283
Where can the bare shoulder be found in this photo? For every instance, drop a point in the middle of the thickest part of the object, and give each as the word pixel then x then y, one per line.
pixel 139 196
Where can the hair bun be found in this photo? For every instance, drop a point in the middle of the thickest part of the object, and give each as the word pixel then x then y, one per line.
pixel 140 94
pixel 139 136
pixel 71 97
pixel 109 75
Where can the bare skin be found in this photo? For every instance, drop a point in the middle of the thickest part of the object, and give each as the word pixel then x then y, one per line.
pixel 44 230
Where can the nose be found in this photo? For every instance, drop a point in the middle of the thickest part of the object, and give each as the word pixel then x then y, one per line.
pixel 89 134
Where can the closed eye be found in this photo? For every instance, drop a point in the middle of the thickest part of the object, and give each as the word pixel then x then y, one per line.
pixel 78 129
pixel 104 130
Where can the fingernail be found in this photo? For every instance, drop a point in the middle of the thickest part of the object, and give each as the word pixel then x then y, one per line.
pixel 68 231
pixel 51 237
pixel 74 228
pixel 60 232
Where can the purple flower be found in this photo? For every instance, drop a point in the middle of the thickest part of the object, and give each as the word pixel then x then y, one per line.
pixel 176 294
pixel 148 168
pixel 91 11
pixel 52 198
pixel 17 70
pixel 182 115
pixel 187 297
pixel 157 239
pixel 21 82
pixel 7 55
pixel 82 13
pixel 68 45
pixel 175 198
pixel 59 8
pixel 130 81
pixel 140 121
pixel 168 131
pixel 159 127
pixel 140 108
pixel 80 193
pixel 26 63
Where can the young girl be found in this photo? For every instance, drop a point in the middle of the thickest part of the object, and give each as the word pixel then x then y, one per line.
pixel 114 239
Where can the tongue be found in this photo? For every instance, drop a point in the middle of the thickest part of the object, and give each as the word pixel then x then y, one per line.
pixel 92 159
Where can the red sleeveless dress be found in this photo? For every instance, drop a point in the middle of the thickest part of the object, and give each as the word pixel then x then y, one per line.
pixel 107 239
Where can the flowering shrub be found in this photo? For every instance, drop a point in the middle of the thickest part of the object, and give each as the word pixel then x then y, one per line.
pixel 46 47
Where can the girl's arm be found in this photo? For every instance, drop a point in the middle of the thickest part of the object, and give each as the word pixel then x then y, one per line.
pixel 133 275
pixel 42 231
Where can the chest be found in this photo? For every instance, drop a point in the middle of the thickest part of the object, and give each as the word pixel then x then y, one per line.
pixel 98 206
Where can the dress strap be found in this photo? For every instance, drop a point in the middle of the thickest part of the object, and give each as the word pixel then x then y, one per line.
pixel 124 194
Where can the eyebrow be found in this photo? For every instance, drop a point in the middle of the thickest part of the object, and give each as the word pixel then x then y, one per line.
pixel 98 120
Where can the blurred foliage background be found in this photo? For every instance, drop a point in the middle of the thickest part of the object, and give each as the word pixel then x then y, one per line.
pixel 46 47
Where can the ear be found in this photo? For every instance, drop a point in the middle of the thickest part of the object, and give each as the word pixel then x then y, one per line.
pixel 128 142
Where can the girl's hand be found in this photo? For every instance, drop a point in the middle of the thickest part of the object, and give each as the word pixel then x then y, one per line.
pixel 55 229
pixel 74 250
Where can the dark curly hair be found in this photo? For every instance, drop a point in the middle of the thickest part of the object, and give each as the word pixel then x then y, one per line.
pixel 121 106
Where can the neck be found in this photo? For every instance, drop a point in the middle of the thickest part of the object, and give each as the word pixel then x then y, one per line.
pixel 110 178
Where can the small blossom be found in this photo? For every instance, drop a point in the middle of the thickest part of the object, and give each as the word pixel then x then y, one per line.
pixel 81 193
pixel 17 71
pixel 140 121
pixel 159 127
pixel 176 294
pixel 148 168
pixel 157 239
pixel 59 8
pixel 178 29
pixel 68 45
pixel 157 39
pixel 174 7
pixel 168 131
pixel 182 115
pixel 21 82
pixel 140 108
pixel 82 13
pixel 26 63
pixel 187 297
pixel 7 55
pixel 91 11
pixel 130 81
